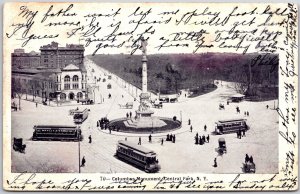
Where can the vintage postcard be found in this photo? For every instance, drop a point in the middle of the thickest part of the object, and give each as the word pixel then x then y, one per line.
pixel 150 97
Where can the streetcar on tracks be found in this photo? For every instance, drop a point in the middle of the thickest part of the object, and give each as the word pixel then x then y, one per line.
pixel 56 132
pixel 138 156
pixel 81 116
pixel 231 126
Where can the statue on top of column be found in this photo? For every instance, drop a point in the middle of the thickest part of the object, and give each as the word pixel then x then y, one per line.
pixel 144 45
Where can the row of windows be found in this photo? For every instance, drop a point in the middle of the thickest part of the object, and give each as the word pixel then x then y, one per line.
pixel 131 153
pixel 68 86
pixel 55 131
pixel 232 124
pixel 45 53
pixel 74 79
pixel 46 60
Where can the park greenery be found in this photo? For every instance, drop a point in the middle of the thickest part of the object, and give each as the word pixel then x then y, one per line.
pixel 256 75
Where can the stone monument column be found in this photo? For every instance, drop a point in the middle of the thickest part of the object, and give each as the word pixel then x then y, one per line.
pixel 144 110
pixel 144 66
pixel 144 75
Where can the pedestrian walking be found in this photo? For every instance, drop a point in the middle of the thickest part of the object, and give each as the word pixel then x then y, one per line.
pixel 36 104
pixel 125 138
pixel 140 141
pixel 247 114
pixel 205 127
pixel 207 138
pixel 168 137
pixel 189 121
pixel 130 114
pixel 196 139
pixel 174 138
pixel 191 128
pixel 267 106
pixel 215 163
pixel 150 138
pixel 240 134
pixel 83 162
pixel 238 110
pixel 162 141
pixel 127 115
pixel 109 130
pixel 203 139
pixel 90 139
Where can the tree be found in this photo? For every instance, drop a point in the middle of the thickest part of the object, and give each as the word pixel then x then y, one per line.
pixel 242 85
pixel 18 88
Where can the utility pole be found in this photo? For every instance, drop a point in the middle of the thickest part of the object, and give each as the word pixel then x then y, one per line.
pixel 180 117
pixel 78 152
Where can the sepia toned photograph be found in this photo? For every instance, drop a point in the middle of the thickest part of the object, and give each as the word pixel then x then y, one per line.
pixel 131 117
pixel 157 97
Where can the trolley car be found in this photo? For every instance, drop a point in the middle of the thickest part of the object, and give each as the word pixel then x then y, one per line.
pixel 56 132
pixel 138 156
pixel 231 126
pixel 81 116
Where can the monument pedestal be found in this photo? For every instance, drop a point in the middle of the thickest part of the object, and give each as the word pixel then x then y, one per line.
pixel 145 122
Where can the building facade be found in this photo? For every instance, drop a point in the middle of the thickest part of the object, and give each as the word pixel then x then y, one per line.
pixel 23 60
pixel 61 85
pixel 33 83
pixel 70 83
pixel 53 56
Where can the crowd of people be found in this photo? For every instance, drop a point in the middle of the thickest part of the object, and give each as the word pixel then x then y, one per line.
pixel 171 138
pixel 241 133
pixel 201 139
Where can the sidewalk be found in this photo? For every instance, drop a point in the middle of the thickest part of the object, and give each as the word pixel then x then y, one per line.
pixel 38 100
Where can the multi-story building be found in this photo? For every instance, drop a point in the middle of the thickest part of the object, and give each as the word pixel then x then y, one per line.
pixel 70 83
pixel 23 60
pixel 53 56
pixel 66 84
pixel 34 83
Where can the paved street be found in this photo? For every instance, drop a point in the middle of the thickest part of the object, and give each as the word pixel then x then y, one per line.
pixel 184 156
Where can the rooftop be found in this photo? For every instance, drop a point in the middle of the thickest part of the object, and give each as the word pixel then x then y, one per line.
pixel 54 45
pixel 70 67
pixel 134 146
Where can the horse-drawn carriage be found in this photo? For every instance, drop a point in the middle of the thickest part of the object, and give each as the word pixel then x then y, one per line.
pixel 157 104
pixel 18 145
pixel 128 105
pixel 73 111
pixel 14 106
pixel 221 106
pixel 249 167
pixel 222 146
pixel 86 101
